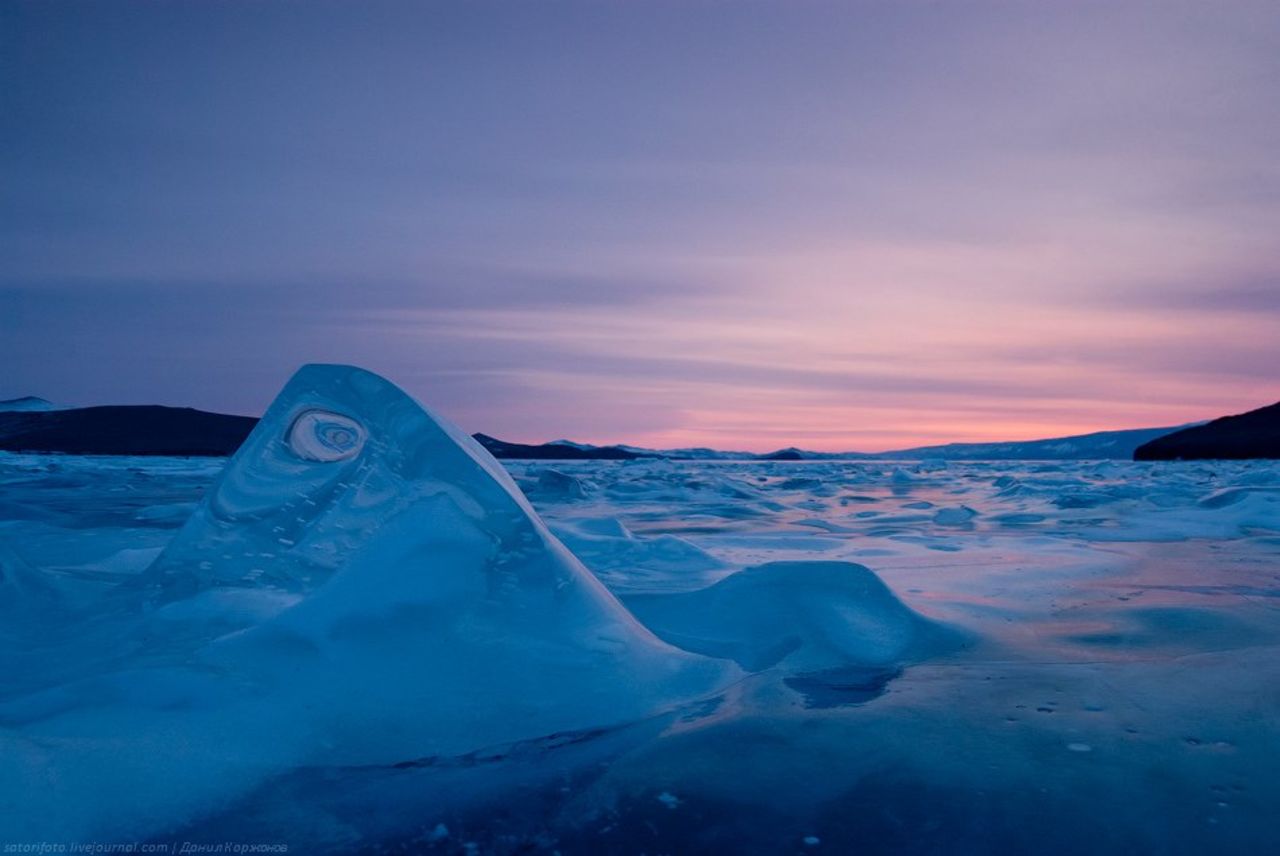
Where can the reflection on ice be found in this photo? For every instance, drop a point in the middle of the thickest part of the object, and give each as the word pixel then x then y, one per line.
pixel 842 686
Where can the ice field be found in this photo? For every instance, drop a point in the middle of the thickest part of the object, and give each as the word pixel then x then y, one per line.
pixel 359 636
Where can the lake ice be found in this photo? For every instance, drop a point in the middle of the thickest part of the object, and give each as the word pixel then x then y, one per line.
pixel 405 655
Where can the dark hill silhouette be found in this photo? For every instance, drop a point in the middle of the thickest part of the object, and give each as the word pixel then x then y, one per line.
pixel 156 430
pixel 553 451
pixel 144 429
pixel 1255 434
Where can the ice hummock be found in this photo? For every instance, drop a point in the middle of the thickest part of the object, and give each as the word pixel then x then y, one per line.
pixel 808 616
pixel 363 584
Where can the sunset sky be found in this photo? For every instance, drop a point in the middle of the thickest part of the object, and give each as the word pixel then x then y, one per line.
pixel 739 224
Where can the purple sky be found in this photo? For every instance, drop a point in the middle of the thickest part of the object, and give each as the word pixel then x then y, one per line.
pixel 749 225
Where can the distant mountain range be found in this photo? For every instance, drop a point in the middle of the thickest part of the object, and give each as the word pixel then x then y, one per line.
pixel 1118 445
pixel 701 453
pixel 557 451
pixel 34 425
pixel 1255 434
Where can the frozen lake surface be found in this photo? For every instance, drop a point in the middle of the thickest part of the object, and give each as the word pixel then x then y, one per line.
pixel 1114 686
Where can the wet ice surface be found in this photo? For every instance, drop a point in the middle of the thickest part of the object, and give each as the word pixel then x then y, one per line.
pixel 1118 689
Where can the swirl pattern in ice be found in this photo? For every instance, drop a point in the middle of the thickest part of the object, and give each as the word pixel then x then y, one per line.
pixel 323 436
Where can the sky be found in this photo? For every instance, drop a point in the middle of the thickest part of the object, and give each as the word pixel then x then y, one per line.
pixel 749 225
